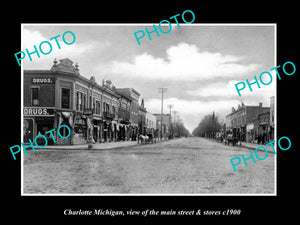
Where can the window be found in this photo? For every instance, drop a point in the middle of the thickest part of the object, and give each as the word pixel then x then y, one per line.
pixel 98 107
pixel 35 96
pixel 84 101
pixel 65 98
pixel 80 100
pixel 105 107
pixel 77 100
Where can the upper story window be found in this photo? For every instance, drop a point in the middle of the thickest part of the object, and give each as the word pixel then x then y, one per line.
pixel 105 107
pixel 65 98
pixel 90 102
pixel 77 99
pixel 98 107
pixel 35 96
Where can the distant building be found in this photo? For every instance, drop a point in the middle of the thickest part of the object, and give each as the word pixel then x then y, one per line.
pixel 124 117
pixel 240 120
pixel 150 120
pixel 142 119
pixel 166 122
pixel 134 110
pixel 261 127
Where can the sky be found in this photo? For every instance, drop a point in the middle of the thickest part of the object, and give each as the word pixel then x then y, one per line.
pixel 199 64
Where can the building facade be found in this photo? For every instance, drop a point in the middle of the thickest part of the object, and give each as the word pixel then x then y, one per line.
pixel 94 112
pixel 262 128
pixel 150 121
pixel 240 120
pixel 133 95
pixel 62 96
pixel 124 116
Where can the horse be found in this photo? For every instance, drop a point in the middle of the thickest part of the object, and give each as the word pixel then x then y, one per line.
pixel 144 139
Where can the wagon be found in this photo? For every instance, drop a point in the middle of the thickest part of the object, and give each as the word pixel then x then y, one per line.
pixel 231 139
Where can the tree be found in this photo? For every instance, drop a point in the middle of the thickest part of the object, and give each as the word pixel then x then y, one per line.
pixel 207 127
pixel 180 130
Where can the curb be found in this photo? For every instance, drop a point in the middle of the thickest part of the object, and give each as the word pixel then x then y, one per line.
pixel 253 148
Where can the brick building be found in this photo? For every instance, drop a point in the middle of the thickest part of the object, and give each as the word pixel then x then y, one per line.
pixel 62 96
pixel 239 120
pixel 133 95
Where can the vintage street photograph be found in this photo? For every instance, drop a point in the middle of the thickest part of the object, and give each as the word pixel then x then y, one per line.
pixel 106 114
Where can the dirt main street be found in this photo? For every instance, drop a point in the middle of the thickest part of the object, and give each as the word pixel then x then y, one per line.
pixel 181 166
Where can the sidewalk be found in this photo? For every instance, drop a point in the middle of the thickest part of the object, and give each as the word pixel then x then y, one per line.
pixel 96 146
pixel 99 146
pixel 254 146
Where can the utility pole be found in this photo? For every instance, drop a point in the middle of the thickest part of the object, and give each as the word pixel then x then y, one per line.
pixel 175 122
pixel 162 91
pixel 170 106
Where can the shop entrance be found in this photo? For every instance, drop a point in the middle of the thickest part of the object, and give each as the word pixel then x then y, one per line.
pixel 44 124
pixel 64 132
pixel 27 130
pixel 95 133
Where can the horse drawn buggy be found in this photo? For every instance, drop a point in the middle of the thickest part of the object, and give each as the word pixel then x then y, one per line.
pixel 147 138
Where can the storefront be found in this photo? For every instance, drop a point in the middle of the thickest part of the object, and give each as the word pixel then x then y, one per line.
pixel 250 135
pixel 80 129
pixel 97 129
pixel 65 118
pixel 37 121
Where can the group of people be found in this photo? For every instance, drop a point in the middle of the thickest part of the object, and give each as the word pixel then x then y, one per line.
pixel 262 139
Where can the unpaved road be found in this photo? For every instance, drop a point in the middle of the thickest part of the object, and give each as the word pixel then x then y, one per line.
pixel 181 166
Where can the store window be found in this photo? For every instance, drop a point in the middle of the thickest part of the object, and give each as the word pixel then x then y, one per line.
pixel 65 98
pixel 27 130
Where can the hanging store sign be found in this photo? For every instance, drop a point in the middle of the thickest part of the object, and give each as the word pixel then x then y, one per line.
pixel 88 112
pixel 38 111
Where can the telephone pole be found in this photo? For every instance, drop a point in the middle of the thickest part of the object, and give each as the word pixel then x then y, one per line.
pixel 162 91
pixel 175 122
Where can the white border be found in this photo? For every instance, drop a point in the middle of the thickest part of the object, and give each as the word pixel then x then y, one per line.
pixel 146 24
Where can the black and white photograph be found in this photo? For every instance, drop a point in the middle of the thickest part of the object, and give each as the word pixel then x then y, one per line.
pixel 146 113
pixel 149 109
